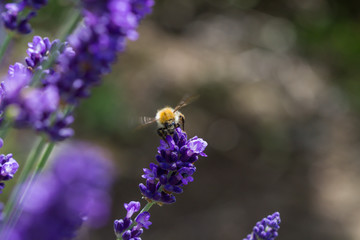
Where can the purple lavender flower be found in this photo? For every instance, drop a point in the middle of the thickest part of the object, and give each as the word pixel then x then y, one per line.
pixel 36 3
pixel 73 191
pixel 176 157
pixel 266 229
pixel 37 106
pixel 18 78
pixel 77 70
pixel 33 106
pixel 59 129
pixel 143 220
pixel 8 168
pixel 108 24
pixel 38 49
pixel 10 16
pixel 131 208
pixel 121 226
pixel 14 21
pixel 142 7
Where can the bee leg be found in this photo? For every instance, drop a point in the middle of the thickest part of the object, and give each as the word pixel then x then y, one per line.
pixel 182 123
pixel 162 133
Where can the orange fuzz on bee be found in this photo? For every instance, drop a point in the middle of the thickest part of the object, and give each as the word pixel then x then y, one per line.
pixel 165 115
pixel 168 118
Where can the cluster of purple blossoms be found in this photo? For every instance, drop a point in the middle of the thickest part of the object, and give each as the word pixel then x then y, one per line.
pixel 74 190
pixel 8 167
pixel 36 106
pixel 266 229
pixel 108 24
pixel 14 17
pixel 125 229
pixel 44 105
pixel 176 157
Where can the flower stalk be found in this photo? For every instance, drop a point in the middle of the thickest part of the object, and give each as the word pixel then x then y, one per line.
pixel 174 169
pixel 5 45
pixel 16 194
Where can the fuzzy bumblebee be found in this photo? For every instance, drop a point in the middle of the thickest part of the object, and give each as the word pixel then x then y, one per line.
pixel 168 118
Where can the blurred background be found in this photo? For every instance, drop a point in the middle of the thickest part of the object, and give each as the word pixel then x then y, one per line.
pixel 279 106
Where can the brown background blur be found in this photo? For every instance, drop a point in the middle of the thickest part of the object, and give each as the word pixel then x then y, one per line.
pixel 279 106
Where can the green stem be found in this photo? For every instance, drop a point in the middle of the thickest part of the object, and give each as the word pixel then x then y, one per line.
pixel 4 46
pixel 5 128
pixel 16 193
pixel 75 17
pixel 145 209
pixel 29 164
pixel 16 213
pixel 44 158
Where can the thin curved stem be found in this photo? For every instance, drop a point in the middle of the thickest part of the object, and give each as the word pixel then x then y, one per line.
pixel 12 202
pixel 75 18
pixel 29 164
pixel 6 125
pixel 145 209
pixel 5 45
pixel 16 213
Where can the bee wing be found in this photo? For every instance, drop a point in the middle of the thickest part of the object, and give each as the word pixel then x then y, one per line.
pixel 145 121
pixel 186 101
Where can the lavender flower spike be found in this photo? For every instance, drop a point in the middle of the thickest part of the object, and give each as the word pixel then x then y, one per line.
pixel 266 229
pixel 108 24
pixel 176 157
pixel 36 104
pixel 12 18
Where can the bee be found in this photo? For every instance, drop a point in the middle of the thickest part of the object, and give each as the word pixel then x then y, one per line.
pixel 168 118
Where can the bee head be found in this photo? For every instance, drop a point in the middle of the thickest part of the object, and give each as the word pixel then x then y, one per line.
pixel 165 117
